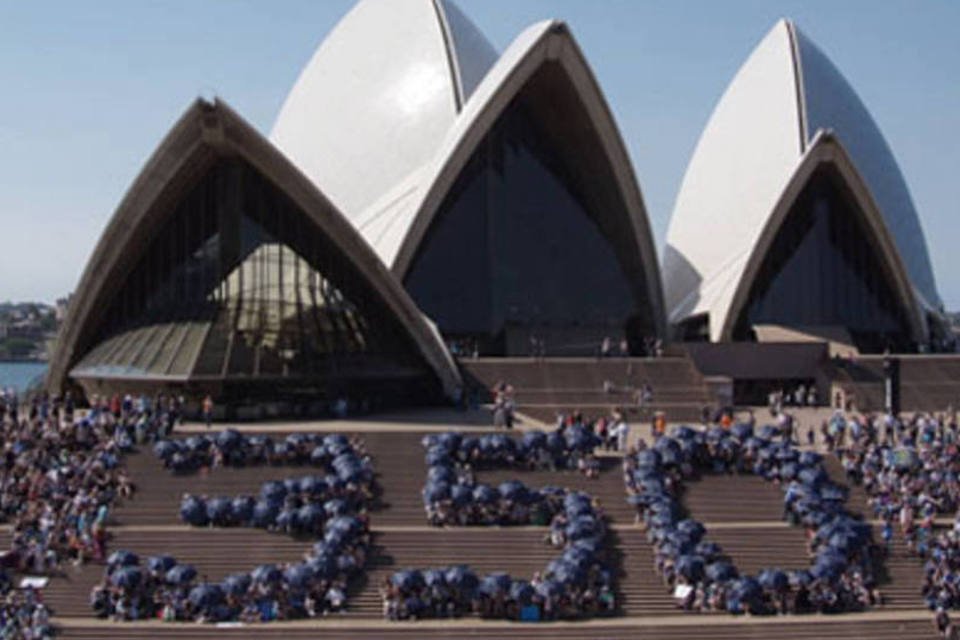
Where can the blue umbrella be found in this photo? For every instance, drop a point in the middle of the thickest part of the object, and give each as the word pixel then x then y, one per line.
pixel 273 491
pixel 579 439
pixel 122 558
pixel 266 574
pixel 692 528
pixel 197 443
pixel 236 584
pixel 833 493
pixel 667 444
pixel 469 444
pixel 206 595
pixel 126 576
pixel 450 440
pixel 549 589
pixel 164 449
pixel 241 509
pixel 309 517
pixel 495 583
pixel 773 579
pixel 349 524
pixel 336 507
pixel 683 432
pixel 228 439
pixel 407 580
pixel 219 511
pixel 521 591
pixel 161 563
pixel 769 432
pixel 741 431
pixel 319 455
pixel 322 565
pixel 286 520
pixel 649 459
pixel 437 456
pixel 181 574
pixel 485 494
pixel 801 577
pixel 335 440
pixel 708 550
pixel 335 539
pixel 512 490
pixel 433 578
pixel 810 458
pixel 312 486
pixel 787 453
pixel 441 473
pixel 193 511
pixel 297 575
pixel 748 589
pixel 461 576
pixel 555 442
pixel 812 476
pixel 435 492
pixel 265 513
pixel 460 494
pixel 582 527
pixel 533 440
pixel 721 571
pixel 691 567
pixel 789 471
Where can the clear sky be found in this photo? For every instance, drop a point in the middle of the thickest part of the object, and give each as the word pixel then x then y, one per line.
pixel 88 89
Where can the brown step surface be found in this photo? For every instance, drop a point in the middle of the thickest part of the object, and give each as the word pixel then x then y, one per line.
pixel 851 629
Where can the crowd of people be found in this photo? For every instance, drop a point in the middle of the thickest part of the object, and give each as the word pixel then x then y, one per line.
pixel 59 478
pixel 23 615
pixel 910 469
pixel 576 584
pixel 60 475
pixel 170 591
pixel 452 496
pixel 840 577
pixel 232 448
pixel 331 507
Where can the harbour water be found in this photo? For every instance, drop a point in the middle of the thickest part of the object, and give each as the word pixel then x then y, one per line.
pixel 19 375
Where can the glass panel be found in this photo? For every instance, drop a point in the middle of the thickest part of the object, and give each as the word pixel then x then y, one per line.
pixel 514 253
pixel 236 285
pixel 823 270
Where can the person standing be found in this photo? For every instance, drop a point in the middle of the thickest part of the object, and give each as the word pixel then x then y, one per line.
pixel 208 410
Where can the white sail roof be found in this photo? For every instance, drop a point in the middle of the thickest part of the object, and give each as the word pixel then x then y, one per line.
pixel 783 95
pixel 379 95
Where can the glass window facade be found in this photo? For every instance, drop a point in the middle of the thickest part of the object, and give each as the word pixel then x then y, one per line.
pixel 824 268
pixel 519 249
pixel 238 284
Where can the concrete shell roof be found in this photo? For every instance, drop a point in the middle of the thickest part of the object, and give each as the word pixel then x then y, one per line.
pixel 784 94
pixel 378 97
pixel 206 132
pixel 549 41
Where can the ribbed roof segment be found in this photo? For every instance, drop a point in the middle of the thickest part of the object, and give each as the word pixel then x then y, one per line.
pixel 379 95
pixel 781 98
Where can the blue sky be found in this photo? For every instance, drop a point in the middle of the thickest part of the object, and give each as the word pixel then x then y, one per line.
pixel 89 89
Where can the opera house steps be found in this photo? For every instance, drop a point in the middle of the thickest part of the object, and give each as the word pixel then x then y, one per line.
pixel 544 387
pixel 742 514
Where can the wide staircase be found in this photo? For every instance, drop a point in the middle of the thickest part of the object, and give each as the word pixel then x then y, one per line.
pixel 742 514
pixel 927 382
pixel 546 386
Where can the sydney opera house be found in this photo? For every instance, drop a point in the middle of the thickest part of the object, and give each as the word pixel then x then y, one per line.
pixel 419 189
